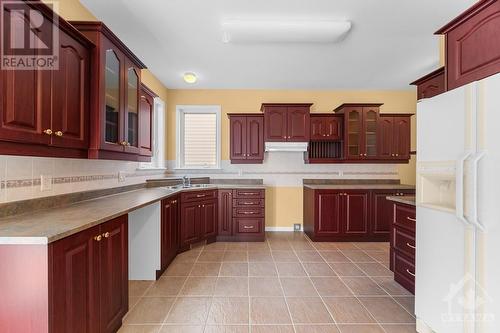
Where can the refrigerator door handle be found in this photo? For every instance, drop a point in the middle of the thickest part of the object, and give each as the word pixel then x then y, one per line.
pixel 459 188
pixel 474 173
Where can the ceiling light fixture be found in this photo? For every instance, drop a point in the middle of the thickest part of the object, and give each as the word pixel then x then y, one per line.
pixel 284 31
pixel 190 78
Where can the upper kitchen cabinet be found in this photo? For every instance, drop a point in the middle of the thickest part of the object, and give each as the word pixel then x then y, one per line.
pixel 44 112
pixel 469 53
pixel 361 127
pixel 286 122
pixel 246 142
pixel 146 108
pixel 115 95
pixel 326 127
pixel 431 84
pixel 394 136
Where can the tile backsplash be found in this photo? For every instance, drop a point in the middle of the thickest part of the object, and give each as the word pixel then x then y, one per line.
pixel 21 177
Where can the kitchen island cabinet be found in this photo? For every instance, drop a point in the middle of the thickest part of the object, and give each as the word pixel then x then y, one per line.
pixel 350 213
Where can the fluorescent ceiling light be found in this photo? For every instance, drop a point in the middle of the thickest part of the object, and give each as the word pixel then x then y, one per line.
pixel 284 31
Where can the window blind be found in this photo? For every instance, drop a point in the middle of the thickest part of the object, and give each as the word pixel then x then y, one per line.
pixel 200 140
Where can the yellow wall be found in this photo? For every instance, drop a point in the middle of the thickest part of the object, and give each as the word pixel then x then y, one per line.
pixel 74 10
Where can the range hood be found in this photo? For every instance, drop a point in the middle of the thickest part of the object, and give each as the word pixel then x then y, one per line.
pixel 286 146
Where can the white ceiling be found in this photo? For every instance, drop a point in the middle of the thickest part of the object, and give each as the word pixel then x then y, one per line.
pixel 390 44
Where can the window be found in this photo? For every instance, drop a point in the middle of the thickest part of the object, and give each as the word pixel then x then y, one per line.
pixel 198 136
pixel 159 125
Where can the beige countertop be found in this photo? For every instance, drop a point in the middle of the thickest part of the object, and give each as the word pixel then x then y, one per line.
pixel 361 187
pixel 405 199
pixel 49 225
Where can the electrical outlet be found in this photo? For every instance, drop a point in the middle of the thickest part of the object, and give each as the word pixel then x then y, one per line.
pixel 121 176
pixel 297 227
pixel 45 183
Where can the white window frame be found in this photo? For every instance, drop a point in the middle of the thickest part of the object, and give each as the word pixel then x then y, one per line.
pixel 158 136
pixel 180 111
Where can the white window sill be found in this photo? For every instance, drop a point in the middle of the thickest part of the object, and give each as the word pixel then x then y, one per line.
pixel 196 169
pixel 150 169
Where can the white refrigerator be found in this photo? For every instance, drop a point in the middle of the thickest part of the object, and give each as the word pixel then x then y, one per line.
pixel 457 283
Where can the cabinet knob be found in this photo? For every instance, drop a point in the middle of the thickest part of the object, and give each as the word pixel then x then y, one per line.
pixel 58 133
pixel 106 234
pixel 128 143
pixel 123 143
pixel 98 238
pixel 397 154
pixel 48 131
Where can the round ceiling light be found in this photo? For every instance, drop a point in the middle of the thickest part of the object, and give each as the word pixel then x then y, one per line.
pixel 190 78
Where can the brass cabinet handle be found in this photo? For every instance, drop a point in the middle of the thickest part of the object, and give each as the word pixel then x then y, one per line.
pixel 58 133
pixel 202 205
pixel 128 143
pixel 200 195
pixel 408 271
pixel 98 238
pixel 397 154
pixel 248 193
pixel 123 143
pixel 411 219
pixel 48 131
pixel 410 246
pixel 247 203
pixel 106 234
pixel 248 227
pixel 248 213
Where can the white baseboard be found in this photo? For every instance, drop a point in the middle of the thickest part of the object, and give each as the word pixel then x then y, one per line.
pixel 279 228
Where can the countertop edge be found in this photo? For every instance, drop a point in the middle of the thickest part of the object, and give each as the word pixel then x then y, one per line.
pixel 45 240
pixel 407 200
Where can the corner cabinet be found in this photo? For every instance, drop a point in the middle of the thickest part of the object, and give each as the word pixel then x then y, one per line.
pixel 286 122
pixel 115 95
pixel 45 112
pixel 246 142
pixel 361 130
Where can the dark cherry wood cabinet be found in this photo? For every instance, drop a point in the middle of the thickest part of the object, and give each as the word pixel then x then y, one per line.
pixel 45 112
pixel 394 136
pixel 198 216
pixel 246 133
pixel 382 212
pixel 326 127
pixel 169 232
pixel 431 84
pixel 88 276
pixel 348 215
pixel 113 287
pixel 74 267
pixel 225 217
pixel 146 113
pixel 361 130
pixel 115 95
pixel 241 215
pixel 469 53
pixel 402 251
pixel 286 122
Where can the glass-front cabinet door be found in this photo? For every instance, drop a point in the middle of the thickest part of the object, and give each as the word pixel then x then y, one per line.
pixel 370 132
pixel 132 110
pixel 112 85
pixel 354 119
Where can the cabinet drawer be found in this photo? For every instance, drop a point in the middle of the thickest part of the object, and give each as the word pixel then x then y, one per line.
pixel 248 212
pixel 248 193
pixel 198 195
pixel 404 271
pixel 404 242
pixel 249 225
pixel 404 216
pixel 250 202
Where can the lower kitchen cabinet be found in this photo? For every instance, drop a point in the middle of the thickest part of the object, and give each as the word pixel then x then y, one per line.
pixel 382 212
pixel 348 215
pixel 241 215
pixel 198 217
pixel 88 279
pixel 169 229
pixel 402 252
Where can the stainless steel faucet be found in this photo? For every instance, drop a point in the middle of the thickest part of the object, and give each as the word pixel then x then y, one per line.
pixel 186 182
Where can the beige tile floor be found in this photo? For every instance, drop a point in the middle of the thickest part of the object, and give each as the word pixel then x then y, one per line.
pixel 286 284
